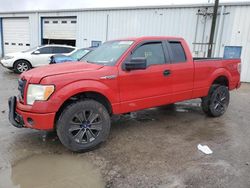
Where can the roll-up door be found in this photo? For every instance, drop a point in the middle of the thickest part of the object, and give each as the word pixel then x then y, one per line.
pixel 59 30
pixel 16 34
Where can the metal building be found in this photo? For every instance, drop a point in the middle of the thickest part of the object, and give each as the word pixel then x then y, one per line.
pixel 90 27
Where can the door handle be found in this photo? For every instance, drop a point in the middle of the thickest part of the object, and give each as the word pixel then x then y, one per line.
pixel 166 72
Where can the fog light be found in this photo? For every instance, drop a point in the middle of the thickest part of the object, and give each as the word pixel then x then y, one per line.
pixel 30 121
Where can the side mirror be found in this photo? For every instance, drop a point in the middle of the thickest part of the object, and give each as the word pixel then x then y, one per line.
pixel 137 63
pixel 36 52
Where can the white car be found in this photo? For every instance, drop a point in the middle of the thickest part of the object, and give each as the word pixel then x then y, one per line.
pixel 34 57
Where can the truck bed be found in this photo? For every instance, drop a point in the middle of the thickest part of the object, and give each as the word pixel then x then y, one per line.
pixel 202 59
pixel 207 68
pixel 206 58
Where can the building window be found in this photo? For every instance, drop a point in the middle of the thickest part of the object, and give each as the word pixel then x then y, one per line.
pixel 231 52
pixel 55 22
pixel 46 22
pixel 73 21
pixel 64 22
pixel 95 43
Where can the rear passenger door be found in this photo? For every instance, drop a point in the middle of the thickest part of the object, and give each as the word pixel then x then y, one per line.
pixel 149 87
pixel 182 70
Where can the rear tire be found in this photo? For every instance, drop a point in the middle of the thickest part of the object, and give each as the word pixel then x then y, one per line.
pixel 217 101
pixel 83 125
pixel 21 66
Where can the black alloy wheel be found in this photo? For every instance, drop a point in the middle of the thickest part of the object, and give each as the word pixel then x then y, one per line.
pixel 217 101
pixel 83 125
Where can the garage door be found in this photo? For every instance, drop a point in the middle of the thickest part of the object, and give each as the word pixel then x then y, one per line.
pixel 59 28
pixel 15 34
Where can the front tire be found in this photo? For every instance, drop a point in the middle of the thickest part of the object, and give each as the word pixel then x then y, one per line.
pixel 217 101
pixel 83 125
pixel 21 66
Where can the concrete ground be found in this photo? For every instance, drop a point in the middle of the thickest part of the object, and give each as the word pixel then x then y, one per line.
pixel 156 148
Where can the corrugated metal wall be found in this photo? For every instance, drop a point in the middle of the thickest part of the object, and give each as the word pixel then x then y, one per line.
pixel 1 35
pixel 176 22
pixel 232 29
pixel 236 32
pixel 35 29
pixel 91 26
pixel 102 25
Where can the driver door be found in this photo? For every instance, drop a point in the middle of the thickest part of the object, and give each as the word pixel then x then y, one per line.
pixel 150 87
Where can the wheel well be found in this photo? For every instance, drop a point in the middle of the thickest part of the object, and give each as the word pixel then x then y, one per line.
pixel 85 95
pixel 21 60
pixel 221 80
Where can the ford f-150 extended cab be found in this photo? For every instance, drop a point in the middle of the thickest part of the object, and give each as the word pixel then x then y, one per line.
pixel 122 76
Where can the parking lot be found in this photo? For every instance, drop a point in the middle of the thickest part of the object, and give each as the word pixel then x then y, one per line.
pixel 154 148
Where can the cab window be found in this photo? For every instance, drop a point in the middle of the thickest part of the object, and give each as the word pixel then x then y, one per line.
pixel 178 53
pixel 153 52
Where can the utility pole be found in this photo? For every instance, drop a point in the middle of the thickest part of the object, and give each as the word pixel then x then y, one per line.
pixel 211 38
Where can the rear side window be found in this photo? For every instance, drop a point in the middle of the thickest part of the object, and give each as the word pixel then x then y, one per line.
pixel 153 52
pixel 177 51
pixel 59 50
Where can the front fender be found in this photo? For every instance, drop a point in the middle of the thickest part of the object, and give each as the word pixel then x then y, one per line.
pixel 65 92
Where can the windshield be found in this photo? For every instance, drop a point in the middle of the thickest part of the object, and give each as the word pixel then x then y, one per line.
pixel 31 49
pixel 108 53
pixel 79 54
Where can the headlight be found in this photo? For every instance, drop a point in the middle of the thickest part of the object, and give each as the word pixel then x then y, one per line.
pixel 39 92
pixel 7 57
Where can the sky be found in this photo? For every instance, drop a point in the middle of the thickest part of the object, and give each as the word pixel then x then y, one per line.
pixel 23 5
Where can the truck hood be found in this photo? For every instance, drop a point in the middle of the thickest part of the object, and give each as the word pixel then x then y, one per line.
pixel 37 74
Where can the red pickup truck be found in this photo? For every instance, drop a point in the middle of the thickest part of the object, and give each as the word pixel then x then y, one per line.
pixel 121 76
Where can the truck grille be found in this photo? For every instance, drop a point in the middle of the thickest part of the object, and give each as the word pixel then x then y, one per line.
pixel 21 87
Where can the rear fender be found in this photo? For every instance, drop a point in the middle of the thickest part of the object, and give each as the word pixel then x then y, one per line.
pixel 218 73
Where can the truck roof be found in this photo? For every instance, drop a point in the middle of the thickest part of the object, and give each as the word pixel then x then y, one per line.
pixel 151 38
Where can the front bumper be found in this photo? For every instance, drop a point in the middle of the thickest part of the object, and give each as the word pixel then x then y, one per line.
pixel 1 63
pixel 7 63
pixel 14 118
pixel 20 118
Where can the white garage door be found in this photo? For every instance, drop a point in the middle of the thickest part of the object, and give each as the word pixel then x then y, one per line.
pixel 16 35
pixel 59 28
